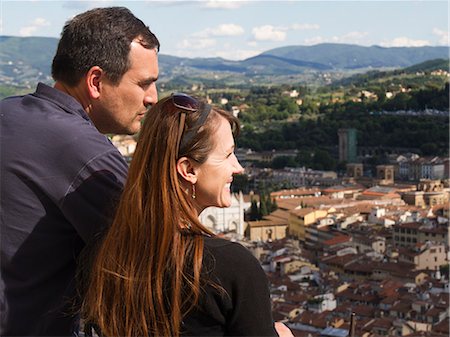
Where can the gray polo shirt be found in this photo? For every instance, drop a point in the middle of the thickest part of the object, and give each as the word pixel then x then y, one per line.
pixel 59 182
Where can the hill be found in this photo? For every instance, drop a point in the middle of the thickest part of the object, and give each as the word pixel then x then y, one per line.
pixel 345 56
pixel 405 76
pixel 26 60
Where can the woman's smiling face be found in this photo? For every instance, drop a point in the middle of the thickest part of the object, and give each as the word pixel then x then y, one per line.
pixel 215 175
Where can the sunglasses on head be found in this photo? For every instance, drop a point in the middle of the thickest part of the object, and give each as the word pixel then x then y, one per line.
pixel 188 104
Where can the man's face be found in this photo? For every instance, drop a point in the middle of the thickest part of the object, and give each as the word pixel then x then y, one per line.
pixel 122 106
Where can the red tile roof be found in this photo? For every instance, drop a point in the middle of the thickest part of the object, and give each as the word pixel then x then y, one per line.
pixel 337 239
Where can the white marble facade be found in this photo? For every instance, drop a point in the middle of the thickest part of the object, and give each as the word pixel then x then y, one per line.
pixel 221 220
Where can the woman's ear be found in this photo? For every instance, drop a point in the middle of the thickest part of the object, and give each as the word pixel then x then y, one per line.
pixel 187 170
pixel 93 81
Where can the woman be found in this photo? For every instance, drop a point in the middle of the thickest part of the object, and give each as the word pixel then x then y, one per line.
pixel 159 271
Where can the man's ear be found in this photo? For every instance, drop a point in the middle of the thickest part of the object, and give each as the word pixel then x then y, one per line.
pixel 187 170
pixel 93 79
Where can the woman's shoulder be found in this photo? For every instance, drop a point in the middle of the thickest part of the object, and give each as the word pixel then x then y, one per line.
pixel 227 255
pixel 219 245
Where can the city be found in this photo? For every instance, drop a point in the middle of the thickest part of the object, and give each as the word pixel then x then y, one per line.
pixel 335 245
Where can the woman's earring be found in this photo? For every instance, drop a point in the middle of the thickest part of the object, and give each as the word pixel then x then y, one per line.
pixel 193 191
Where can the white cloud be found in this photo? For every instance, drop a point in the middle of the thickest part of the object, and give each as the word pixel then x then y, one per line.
pixel 196 43
pixel 35 25
pixel 240 54
pixel 269 33
pixel 199 47
pixel 315 40
pixel 41 22
pixel 350 38
pixel 304 26
pixel 405 42
pixel 353 36
pixel 224 4
pixel 229 29
pixel 443 36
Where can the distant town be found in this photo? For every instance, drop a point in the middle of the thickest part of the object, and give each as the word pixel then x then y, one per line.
pixel 352 254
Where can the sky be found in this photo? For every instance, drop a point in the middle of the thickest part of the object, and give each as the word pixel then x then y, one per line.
pixel 236 30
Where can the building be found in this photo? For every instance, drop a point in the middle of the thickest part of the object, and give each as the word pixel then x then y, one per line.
pixel 230 219
pixel 385 174
pixel 347 145
pixel 266 230
pixel 301 218
pixel 423 168
pixel 411 233
pixel 355 170
pixel 424 256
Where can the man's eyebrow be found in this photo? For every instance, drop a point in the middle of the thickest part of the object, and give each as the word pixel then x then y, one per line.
pixel 149 80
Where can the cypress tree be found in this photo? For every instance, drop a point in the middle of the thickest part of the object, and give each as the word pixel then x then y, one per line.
pixel 274 205
pixel 254 213
pixel 262 206
pixel 269 204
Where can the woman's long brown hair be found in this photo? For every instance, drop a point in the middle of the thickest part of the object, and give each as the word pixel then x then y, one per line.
pixel 146 274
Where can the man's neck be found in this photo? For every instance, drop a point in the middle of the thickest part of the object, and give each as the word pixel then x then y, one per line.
pixel 76 92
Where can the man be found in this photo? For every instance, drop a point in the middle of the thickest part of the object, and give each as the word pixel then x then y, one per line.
pixel 60 176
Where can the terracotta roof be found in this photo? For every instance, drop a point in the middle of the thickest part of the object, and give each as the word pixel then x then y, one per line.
pixel 364 310
pixel 288 204
pixel 279 214
pixel 294 192
pixel 384 323
pixel 286 308
pixel 409 225
pixel 402 306
pixel 434 311
pixel 349 295
pixel 266 223
pixel 339 260
pixel 359 266
pixel 389 288
pixel 339 188
pixel 388 300
pixel 303 211
pixel 312 319
pixel 297 298
pixel 442 327
pixel 337 239
pixel 436 230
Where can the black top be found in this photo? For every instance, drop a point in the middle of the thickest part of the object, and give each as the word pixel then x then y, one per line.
pixel 245 309
pixel 59 181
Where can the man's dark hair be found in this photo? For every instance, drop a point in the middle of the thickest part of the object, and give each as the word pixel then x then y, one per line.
pixel 99 37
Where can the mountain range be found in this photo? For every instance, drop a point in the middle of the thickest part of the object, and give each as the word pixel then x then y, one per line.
pixel 26 60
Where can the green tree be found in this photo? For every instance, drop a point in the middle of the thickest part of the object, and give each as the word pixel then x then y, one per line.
pixel 283 161
pixel 262 206
pixel 240 183
pixel 444 269
pixel 428 149
pixel 254 212
pixel 268 204
pixel 274 205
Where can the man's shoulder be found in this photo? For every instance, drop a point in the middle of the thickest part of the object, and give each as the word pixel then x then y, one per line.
pixel 46 105
pixel 46 129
